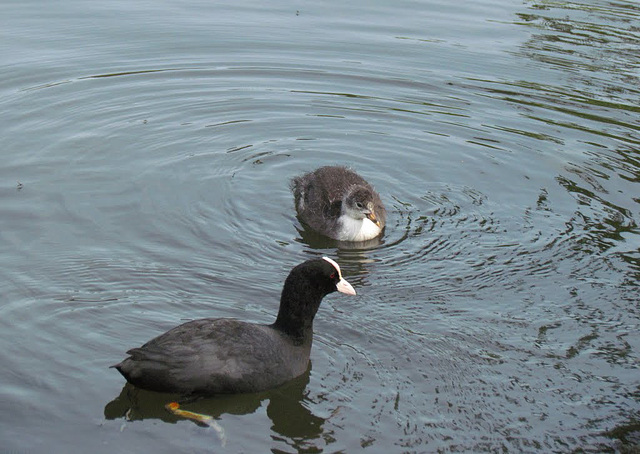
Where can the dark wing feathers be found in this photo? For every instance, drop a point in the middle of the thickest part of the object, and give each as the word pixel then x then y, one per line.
pixel 203 356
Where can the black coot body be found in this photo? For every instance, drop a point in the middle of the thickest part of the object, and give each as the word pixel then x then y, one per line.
pixel 214 356
pixel 339 203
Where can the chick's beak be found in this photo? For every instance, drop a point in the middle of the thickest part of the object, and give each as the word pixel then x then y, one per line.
pixel 344 287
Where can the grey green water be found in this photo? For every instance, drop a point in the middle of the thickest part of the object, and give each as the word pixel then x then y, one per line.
pixel 145 158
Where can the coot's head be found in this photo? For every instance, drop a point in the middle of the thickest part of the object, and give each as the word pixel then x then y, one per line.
pixel 303 291
pixel 335 276
pixel 359 203
pixel 320 276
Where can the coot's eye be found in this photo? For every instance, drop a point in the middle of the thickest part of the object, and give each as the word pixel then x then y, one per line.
pixel 333 275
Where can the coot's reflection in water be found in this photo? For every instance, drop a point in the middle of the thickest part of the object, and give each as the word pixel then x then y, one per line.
pixel 291 419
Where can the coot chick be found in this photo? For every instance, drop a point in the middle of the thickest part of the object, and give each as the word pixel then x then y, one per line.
pixel 339 203
pixel 217 355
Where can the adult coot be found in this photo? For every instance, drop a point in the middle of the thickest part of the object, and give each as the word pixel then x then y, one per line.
pixel 216 355
pixel 339 203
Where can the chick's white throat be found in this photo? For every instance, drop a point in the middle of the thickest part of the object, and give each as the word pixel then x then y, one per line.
pixel 357 229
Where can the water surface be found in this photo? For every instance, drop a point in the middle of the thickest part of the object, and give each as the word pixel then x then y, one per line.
pixel 146 155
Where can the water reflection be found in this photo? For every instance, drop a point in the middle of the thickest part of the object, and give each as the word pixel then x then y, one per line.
pixel 593 45
pixel 581 98
pixel 354 258
pixel 570 33
pixel 292 422
pixel 316 241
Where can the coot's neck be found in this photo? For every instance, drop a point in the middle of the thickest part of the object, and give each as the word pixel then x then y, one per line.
pixel 298 306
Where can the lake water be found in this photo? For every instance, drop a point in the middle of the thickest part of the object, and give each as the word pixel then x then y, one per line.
pixel 146 153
